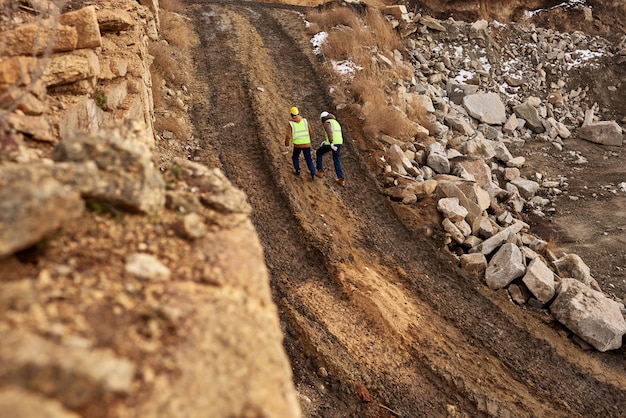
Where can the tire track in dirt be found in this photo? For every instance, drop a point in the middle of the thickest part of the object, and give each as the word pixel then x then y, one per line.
pixel 442 342
pixel 228 117
pixel 243 161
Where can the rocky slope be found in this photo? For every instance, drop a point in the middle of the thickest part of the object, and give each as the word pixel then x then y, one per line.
pixel 470 166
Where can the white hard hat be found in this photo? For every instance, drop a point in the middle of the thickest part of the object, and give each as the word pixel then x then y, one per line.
pixel 324 114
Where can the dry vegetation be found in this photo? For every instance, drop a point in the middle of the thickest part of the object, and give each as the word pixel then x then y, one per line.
pixel 172 69
pixel 364 39
pixel 353 36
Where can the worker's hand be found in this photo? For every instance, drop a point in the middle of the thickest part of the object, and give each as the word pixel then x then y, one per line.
pixel 286 150
pixel 333 147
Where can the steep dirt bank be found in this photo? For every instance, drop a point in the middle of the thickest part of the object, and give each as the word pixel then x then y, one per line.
pixel 371 307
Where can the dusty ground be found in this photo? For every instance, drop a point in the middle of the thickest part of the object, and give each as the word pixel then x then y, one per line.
pixel 378 319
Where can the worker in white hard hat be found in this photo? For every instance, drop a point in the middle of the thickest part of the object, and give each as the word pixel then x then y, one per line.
pixel 299 134
pixel 332 142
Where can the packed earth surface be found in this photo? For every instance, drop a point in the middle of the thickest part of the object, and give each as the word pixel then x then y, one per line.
pixel 378 319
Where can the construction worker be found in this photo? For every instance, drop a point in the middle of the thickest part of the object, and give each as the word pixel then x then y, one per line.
pixel 299 134
pixel 333 142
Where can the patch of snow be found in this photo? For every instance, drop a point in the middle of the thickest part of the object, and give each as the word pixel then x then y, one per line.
pixel 346 67
pixel 463 76
pixel 580 56
pixel 317 41
pixel 484 61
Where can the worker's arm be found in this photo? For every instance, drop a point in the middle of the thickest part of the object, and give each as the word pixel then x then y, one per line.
pixel 329 131
pixel 288 135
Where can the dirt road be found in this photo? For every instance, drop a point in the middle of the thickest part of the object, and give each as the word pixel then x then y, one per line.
pixel 378 320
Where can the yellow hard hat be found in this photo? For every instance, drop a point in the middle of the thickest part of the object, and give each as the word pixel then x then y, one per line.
pixel 294 111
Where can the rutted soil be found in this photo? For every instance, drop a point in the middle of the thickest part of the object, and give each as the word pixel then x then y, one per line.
pixel 378 319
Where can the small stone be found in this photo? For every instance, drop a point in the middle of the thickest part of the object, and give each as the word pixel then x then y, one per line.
pixel 147 267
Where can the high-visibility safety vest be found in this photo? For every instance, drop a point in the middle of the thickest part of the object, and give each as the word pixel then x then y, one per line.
pixel 300 132
pixel 336 128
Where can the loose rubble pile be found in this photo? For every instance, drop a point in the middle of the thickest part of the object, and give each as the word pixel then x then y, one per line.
pixel 482 100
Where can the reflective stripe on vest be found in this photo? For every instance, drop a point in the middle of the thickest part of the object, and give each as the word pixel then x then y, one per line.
pixel 300 132
pixel 336 128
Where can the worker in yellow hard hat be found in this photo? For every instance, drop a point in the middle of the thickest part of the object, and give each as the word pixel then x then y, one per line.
pixel 299 134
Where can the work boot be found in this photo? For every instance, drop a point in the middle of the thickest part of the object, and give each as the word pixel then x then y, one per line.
pixel 340 182
pixel 319 173
pixel 295 173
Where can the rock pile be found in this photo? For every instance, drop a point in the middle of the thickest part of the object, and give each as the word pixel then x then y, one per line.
pixel 483 98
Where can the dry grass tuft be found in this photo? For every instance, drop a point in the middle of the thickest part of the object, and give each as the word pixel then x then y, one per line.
pixel 341 44
pixel 177 32
pixel 158 99
pixel 352 37
pixel 359 88
pixel 422 116
pixel 389 120
pixel 171 56
pixel 168 62
pixel 363 40
pixel 329 19
pixel 552 247
pixel 379 116
pixel 381 32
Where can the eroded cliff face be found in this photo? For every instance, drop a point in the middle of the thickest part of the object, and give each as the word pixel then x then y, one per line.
pixel 501 10
pixel 598 17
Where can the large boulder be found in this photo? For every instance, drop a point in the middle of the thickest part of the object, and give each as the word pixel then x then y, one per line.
pixel 128 177
pixel 29 194
pixel 485 107
pixel 589 314
pixel 604 132
pixel 505 266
